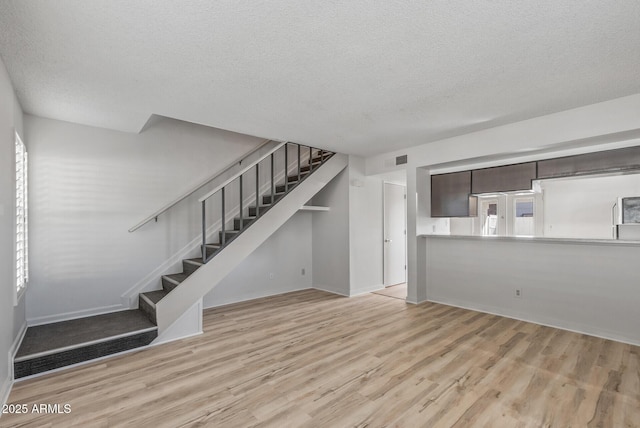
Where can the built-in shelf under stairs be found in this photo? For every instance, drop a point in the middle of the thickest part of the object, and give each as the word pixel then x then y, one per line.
pixel 53 346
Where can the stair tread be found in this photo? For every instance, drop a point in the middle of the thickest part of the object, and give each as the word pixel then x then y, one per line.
pixel 64 334
pixel 295 175
pixel 177 276
pixel 197 260
pixel 156 295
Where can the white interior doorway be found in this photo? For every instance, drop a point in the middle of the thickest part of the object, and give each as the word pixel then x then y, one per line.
pixel 395 234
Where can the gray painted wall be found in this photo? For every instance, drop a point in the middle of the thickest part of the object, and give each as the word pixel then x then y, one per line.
pixel 284 254
pixel 331 237
pixel 365 229
pixel 347 240
pixel 12 318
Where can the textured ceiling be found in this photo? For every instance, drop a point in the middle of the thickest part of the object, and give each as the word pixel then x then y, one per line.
pixel 359 77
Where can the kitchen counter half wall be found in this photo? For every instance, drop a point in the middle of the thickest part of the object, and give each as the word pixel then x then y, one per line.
pixel 588 286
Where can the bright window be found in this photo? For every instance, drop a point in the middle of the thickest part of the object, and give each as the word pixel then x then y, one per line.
pixel 22 219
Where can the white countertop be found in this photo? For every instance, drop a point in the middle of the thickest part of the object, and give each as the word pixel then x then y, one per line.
pixel 614 242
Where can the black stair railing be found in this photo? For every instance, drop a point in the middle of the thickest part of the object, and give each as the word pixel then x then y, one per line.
pixel 291 174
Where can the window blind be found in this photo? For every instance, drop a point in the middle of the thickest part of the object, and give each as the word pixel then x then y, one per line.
pixel 22 219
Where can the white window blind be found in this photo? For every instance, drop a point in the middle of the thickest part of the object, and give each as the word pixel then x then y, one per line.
pixel 22 219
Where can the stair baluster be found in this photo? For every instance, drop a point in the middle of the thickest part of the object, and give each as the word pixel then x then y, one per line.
pixel 241 207
pixel 273 188
pixel 204 232
pixel 310 160
pixel 224 235
pixel 286 167
pixel 257 187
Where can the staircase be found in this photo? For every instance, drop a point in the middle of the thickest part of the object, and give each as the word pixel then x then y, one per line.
pixel 57 345
pixel 149 300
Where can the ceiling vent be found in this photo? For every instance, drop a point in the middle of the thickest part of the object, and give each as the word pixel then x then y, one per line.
pixel 401 160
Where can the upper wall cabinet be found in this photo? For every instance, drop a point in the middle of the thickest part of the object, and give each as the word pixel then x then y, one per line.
pixel 607 161
pixel 450 195
pixel 506 178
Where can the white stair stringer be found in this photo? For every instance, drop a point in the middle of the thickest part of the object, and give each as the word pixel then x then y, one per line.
pixel 202 281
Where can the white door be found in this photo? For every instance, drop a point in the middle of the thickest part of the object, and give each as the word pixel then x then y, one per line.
pixel 395 244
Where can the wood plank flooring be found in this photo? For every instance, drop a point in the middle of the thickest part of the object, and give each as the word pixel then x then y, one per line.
pixel 398 291
pixel 312 359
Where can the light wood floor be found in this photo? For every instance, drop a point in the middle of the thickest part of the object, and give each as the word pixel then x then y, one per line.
pixel 313 359
pixel 398 291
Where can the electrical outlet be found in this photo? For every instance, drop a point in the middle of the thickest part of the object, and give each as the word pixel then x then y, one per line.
pixel 271 275
pixel 302 271
pixel 518 292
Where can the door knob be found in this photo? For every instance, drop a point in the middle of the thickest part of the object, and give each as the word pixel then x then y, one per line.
pixel 387 240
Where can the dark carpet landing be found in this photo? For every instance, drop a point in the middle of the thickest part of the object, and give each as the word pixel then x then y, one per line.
pixel 49 337
pixel 51 346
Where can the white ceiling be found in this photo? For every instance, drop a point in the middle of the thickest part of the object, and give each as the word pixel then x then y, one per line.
pixel 360 77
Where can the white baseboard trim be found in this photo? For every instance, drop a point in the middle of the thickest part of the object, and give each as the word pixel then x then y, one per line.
pixel 547 322
pixel 48 319
pixel 413 302
pixel 249 297
pixel 173 339
pixel 323 288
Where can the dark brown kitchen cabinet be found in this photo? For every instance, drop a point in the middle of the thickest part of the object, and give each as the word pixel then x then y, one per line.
pixel 590 163
pixel 508 178
pixel 451 195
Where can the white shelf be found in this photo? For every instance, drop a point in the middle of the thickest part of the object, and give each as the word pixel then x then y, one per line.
pixel 313 208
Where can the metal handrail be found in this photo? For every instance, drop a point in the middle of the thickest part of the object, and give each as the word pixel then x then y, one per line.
pixel 271 191
pixel 198 187
pixel 241 172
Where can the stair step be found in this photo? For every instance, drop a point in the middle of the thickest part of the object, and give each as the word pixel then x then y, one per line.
pixel 189 266
pixel 263 208
pixel 267 199
pixel 211 249
pixel 315 162
pixel 147 303
pixel 246 221
pixel 307 168
pixel 294 178
pixel 52 346
pixel 229 235
pixel 280 188
pixel 169 282
pixel 317 158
